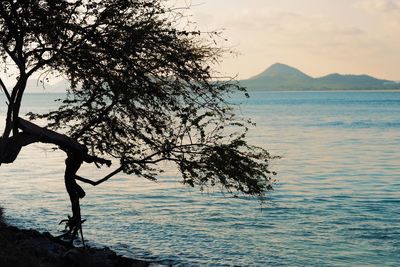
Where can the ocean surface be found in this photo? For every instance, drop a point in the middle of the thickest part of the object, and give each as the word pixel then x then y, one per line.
pixel 337 201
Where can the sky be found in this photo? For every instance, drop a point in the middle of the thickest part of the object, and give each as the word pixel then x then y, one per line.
pixel 316 36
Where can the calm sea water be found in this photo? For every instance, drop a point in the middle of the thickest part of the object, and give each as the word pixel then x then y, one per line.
pixel 337 202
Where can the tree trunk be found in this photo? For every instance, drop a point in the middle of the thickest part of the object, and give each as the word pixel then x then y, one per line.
pixel 76 155
pixel 75 192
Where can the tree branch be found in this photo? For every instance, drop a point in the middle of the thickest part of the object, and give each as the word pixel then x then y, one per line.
pixel 101 180
pixel 48 136
pixel 5 90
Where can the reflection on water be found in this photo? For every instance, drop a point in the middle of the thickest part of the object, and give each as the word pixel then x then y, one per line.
pixel 336 203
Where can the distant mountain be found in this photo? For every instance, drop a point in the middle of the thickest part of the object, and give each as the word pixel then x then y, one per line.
pixel 283 77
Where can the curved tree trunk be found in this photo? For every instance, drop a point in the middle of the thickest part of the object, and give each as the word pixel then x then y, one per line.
pixel 76 155
pixel 75 192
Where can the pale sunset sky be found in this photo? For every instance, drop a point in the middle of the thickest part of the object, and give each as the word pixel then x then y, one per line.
pixel 317 36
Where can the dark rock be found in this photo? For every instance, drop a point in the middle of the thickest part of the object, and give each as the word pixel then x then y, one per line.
pixel 31 248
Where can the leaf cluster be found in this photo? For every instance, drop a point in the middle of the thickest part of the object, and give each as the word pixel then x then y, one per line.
pixel 143 91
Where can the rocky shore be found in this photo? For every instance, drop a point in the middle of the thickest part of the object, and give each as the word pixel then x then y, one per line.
pixel 21 248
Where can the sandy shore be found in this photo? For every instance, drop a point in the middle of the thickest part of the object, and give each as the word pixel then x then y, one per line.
pixel 30 248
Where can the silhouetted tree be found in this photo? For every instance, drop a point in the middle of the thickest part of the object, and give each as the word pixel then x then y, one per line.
pixel 142 91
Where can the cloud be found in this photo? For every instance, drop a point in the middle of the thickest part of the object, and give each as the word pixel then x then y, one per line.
pixel 282 22
pixel 320 35
pixel 386 14
pixel 379 5
pixel 264 20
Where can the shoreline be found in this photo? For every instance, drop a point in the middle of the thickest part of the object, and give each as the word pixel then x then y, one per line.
pixel 20 247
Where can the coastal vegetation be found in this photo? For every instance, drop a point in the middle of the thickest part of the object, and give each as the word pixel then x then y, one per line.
pixel 143 91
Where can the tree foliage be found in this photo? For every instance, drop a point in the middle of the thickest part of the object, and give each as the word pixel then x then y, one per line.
pixel 143 89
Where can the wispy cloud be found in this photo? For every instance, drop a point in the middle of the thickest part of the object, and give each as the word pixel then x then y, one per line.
pixel 379 5
pixel 283 22
pixel 319 36
pixel 262 19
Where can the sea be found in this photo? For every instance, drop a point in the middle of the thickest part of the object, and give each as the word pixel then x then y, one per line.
pixel 336 201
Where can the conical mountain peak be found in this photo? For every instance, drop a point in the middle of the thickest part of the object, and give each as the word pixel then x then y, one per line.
pixel 279 70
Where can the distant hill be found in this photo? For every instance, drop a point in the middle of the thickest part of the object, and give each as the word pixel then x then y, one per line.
pixel 283 77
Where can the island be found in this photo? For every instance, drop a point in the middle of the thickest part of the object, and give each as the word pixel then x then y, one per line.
pixel 281 77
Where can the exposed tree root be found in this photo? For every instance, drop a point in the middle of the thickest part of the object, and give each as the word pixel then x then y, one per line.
pixel 72 226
